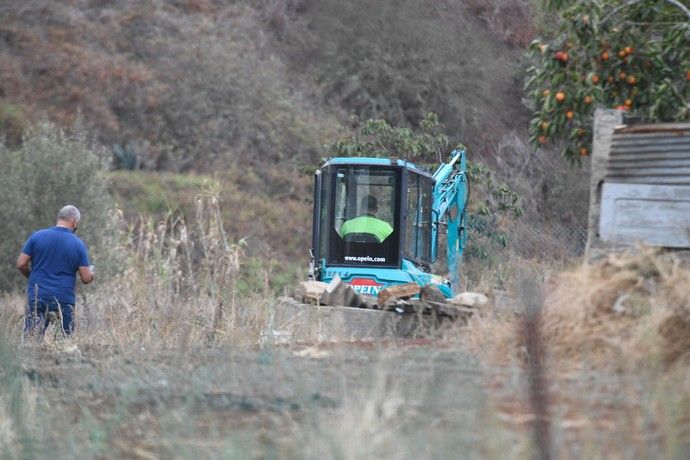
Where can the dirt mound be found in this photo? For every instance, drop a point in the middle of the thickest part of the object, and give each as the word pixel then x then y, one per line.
pixel 624 304
pixel 631 306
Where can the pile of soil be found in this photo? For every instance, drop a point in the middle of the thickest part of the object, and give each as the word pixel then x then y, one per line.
pixel 631 304
pixel 634 306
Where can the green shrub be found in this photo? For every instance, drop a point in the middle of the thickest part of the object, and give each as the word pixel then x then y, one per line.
pixel 12 124
pixel 51 168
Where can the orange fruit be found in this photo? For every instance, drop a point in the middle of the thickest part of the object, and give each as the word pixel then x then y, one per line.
pixel 561 56
pixel 560 96
pixel 595 79
pixel 584 152
pixel 628 103
pixel 687 75
pixel 605 56
pixel 621 76
pixel 569 114
pixel 631 79
pixel 622 54
pixel 628 50
pixel 609 79
pixel 542 140
pixel 587 100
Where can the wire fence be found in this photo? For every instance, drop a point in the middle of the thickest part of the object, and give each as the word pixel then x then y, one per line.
pixel 550 241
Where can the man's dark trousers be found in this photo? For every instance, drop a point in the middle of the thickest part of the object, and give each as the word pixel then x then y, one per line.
pixel 36 320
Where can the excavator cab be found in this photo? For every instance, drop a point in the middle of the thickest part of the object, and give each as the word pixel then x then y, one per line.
pixel 374 224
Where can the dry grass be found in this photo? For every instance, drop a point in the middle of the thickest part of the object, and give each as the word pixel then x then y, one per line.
pixel 614 343
pixel 177 291
pixel 633 306
pixel 176 85
pixel 512 20
pixel 161 306
pixel 176 286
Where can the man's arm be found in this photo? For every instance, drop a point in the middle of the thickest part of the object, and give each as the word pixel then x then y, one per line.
pixel 85 271
pixel 23 264
pixel 85 274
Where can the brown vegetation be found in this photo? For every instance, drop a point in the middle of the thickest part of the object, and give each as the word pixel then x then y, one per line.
pixel 177 335
pixel 198 85
pixel 268 209
pixel 631 308
pixel 178 86
pixel 405 59
pixel 513 20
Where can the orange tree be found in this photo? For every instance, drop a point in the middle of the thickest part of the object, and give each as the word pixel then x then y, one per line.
pixel 632 55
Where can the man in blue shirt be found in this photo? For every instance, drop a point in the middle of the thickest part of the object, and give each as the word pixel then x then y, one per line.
pixel 56 255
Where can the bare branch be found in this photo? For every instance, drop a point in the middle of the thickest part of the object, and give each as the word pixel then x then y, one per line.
pixel 616 10
pixel 634 2
pixel 681 6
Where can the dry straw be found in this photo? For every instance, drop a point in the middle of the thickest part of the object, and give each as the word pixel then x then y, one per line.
pixel 176 287
pixel 634 306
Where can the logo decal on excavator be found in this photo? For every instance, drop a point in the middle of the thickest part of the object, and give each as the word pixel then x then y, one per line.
pixel 366 286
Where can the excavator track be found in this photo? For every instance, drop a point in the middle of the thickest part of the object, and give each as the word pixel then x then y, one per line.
pixel 334 312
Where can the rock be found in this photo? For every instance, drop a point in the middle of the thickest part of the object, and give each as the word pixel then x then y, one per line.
pixel 312 352
pixel 402 291
pixel 341 294
pixel 431 293
pixel 470 299
pixel 311 292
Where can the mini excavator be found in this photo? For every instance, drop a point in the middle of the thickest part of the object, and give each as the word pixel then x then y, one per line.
pixel 378 221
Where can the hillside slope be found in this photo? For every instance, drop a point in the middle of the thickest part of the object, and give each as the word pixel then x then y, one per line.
pixel 404 58
pixel 253 89
pixel 175 85
pixel 206 83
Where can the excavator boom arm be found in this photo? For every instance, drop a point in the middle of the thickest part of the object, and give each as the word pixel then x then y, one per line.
pixel 449 210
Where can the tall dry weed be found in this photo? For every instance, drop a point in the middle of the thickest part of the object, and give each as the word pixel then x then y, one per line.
pixel 176 286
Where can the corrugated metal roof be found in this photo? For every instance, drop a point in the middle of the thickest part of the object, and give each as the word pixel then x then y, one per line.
pixel 650 154
pixel 678 128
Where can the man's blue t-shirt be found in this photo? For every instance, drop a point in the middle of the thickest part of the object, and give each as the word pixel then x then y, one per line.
pixel 56 255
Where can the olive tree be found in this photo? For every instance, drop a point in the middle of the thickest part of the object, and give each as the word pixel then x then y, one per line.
pixel 49 169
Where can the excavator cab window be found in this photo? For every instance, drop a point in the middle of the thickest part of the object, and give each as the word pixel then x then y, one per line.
pixel 362 225
pixel 418 218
